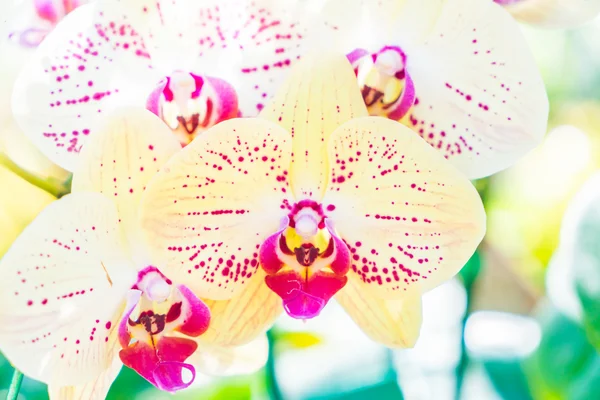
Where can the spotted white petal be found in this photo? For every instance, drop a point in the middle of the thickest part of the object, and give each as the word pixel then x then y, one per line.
pixel 93 61
pixel 62 291
pixel 480 99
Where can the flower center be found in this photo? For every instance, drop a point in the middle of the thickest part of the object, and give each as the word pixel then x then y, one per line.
pixel 385 84
pixel 148 345
pixel 189 104
pixel 305 261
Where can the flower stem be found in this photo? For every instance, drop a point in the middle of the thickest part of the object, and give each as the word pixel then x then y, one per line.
pixel 464 360
pixel 15 385
pixel 271 377
pixel 51 185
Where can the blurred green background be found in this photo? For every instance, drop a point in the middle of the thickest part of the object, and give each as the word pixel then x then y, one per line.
pixel 511 326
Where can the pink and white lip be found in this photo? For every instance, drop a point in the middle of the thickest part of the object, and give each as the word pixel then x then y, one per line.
pixel 390 61
pixel 189 103
pixel 157 343
pixel 306 277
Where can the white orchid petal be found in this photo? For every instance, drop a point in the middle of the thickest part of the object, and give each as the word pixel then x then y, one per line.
pixel 93 61
pixel 64 281
pixel 480 99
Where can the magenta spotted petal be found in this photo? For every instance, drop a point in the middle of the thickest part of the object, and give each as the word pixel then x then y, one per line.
pixel 194 64
pixel 463 77
pixel 84 68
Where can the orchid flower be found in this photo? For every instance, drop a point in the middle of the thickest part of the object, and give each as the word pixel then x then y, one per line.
pixel 81 294
pixel 192 63
pixel 24 26
pixel 552 13
pixel 323 200
pixel 457 72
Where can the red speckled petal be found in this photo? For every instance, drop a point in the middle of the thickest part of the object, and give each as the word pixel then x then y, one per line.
pixel 408 217
pixel 394 323
pixel 63 286
pixel 480 99
pixel 319 96
pixel 209 209
pixel 91 62
pixel 95 389
pixel 250 44
pixel 239 320
pixel 553 13
pixel 120 159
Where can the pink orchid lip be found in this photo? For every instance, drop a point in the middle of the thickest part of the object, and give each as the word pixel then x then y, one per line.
pixel 218 99
pixel 304 294
pixel 305 298
pixel 400 106
pixel 162 366
pixel 166 377
pixel 159 358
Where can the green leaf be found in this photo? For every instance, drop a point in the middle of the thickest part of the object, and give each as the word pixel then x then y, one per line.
pixel 581 238
pixel 469 273
pixel 565 366
pixel 388 390
pixel 508 378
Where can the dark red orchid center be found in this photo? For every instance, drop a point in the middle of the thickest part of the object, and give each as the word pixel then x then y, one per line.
pixel 189 103
pixel 305 261
pixel 385 84
pixel 147 341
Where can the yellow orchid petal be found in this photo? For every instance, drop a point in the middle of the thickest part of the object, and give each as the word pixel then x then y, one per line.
pixel 394 323
pixel 239 320
pixel 96 389
pixel 320 95
pixel 209 209
pixel 20 202
pixel 229 361
pixel 408 217
pixel 120 159
pixel 554 13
